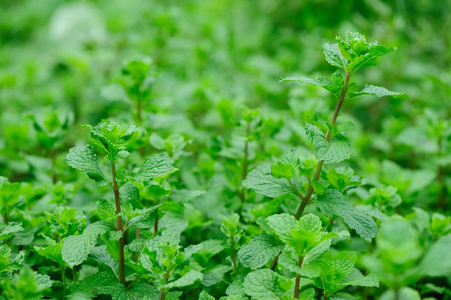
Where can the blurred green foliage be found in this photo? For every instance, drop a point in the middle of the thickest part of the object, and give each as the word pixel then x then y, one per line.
pixel 201 79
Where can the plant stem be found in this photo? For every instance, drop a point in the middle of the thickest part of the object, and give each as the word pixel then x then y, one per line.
pixel 74 274
pixel 420 283
pixel 325 296
pixel 233 255
pixel 119 225
pixel 298 280
pixel 331 224
pixel 442 196
pixel 242 192
pixel 138 233
pixel 246 151
pixel 131 283
pixel 396 288
pixel 274 262
pixel 156 224
pixel 139 111
pixel 441 178
pixel 5 219
pixel 166 278
pixel 328 137
pixel 63 279
pixel 53 164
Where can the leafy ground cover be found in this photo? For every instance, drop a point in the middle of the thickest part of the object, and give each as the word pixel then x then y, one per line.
pixel 224 150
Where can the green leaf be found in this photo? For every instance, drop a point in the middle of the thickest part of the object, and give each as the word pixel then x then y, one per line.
pixel 101 283
pixel 311 223
pixel 259 251
pixel 5 252
pixel 111 137
pixel 145 220
pixel 261 181
pixel 77 248
pixel 317 82
pixel 282 224
pixel 52 252
pixel 405 293
pixel 280 170
pixel 316 252
pixel 171 206
pixel 337 150
pixel 106 210
pixel 439 224
pixel 230 226
pixel 361 54
pixel 9 194
pixel 356 278
pixel 103 257
pixel 154 166
pixel 137 68
pixel 306 235
pixel 335 267
pixel 188 279
pixel 398 245
pixel 430 287
pixel 30 284
pixel 319 186
pixel 265 284
pixel 185 195
pixel 437 261
pixel 84 159
pixel 370 59
pixel 377 91
pixel 205 296
pixel 334 56
pixel 333 203
pixel 215 275
pixel 334 84
pixel 6 233
pixel 308 294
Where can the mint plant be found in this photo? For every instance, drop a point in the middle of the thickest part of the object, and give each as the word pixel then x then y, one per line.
pixel 232 230
pixel 137 82
pixel 10 193
pixel 50 130
pixel 113 141
pixel 232 185
pixel 330 146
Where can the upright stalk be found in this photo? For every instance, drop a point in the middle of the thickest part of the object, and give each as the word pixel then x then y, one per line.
pixel 5 219
pixel 298 280
pixel 274 262
pixel 235 269
pixel 142 152
pixel 74 274
pixel 306 199
pixel 119 224
pixel 142 149
pixel 155 227
pixel 166 278
pixel 242 193
pixel 53 165
pixel 246 151
pixel 441 179
pixel 328 137
pixel 63 279
pixel 139 111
